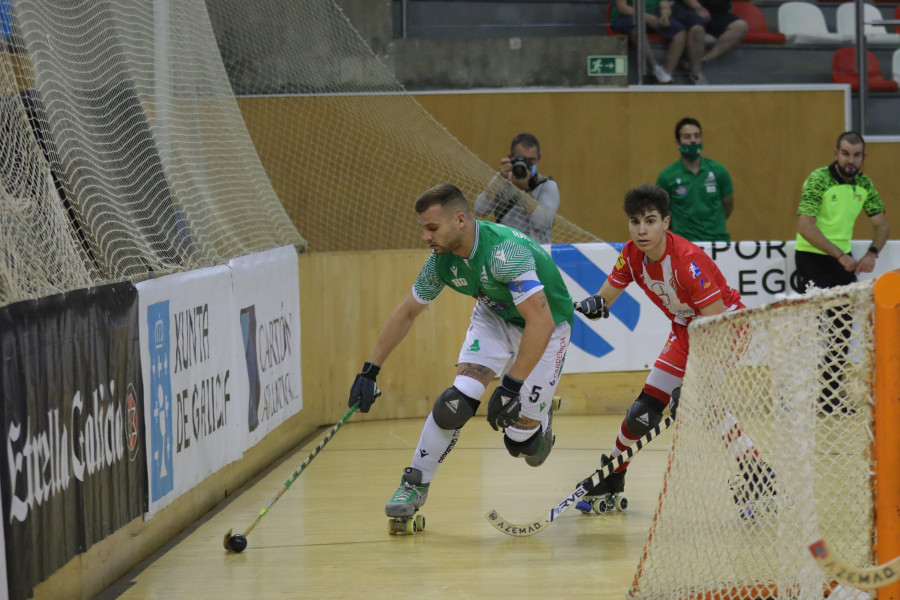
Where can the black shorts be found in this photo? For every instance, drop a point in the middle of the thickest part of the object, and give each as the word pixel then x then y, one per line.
pixel 822 270
pixel 718 21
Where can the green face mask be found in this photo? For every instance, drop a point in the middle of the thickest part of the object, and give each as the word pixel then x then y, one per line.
pixel 690 151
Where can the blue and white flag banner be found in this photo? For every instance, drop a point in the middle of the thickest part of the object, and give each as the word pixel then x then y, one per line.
pixel 267 313
pixel 195 379
pixel 633 335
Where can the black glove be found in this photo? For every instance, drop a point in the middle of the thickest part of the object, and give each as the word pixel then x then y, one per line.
pixel 504 406
pixel 593 307
pixel 364 389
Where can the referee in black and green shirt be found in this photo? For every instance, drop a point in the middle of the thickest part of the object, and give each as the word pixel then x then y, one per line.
pixel 832 198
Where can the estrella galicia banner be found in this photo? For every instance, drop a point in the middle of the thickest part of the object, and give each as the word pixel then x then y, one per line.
pixel 73 467
pixel 193 378
pixel 267 297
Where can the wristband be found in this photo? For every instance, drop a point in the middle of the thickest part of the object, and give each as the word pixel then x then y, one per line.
pixel 511 383
pixel 874 251
pixel 370 370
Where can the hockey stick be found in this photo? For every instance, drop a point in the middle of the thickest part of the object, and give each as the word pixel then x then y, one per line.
pixel 526 529
pixel 863 578
pixel 238 541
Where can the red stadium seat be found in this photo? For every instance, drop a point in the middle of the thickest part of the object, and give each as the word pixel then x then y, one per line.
pixel 651 37
pixel 843 70
pixel 759 32
pixel 897 16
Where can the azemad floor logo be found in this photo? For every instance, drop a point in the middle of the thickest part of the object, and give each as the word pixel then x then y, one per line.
pixel 589 276
pixel 162 476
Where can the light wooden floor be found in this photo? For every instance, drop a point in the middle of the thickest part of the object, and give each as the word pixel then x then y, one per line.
pixel 327 535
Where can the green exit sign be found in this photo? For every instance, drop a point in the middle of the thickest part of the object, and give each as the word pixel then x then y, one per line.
pixel 607 65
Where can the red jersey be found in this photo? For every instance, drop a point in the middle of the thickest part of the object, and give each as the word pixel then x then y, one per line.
pixel 682 282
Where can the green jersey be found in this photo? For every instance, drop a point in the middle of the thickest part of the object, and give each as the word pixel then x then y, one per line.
pixel 835 205
pixel 696 200
pixel 492 273
pixel 650 7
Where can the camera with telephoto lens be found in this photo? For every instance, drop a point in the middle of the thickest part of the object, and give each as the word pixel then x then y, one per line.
pixel 521 167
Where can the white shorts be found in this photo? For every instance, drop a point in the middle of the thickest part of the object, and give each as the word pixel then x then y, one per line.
pixel 493 343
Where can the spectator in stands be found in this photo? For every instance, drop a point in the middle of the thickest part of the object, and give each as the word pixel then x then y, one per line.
pixel 658 18
pixel 713 17
pixel 830 202
pixel 518 195
pixel 700 188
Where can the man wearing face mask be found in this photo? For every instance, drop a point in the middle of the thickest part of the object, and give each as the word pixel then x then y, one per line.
pixel 700 189
pixel 518 196
pixel 832 199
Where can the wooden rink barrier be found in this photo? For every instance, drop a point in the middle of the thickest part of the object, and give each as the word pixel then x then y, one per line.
pixel 598 143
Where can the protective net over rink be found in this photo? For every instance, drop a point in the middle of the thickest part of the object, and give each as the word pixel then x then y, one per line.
pixel 783 391
pixel 347 149
pixel 124 152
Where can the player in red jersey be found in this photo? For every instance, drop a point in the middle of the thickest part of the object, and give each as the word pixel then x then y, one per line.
pixel 685 283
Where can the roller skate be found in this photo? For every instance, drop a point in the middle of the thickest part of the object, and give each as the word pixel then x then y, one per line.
pixel 548 439
pixel 605 496
pixel 754 490
pixel 405 503
pixel 835 401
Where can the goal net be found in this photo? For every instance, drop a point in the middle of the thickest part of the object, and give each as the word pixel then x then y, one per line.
pixel 773 450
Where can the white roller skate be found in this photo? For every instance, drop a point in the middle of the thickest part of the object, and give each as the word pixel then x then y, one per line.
pixel 606 495
pixel 405 503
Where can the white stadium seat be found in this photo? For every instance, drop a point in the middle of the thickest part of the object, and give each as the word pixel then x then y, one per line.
pixel 875 34
pixel 895 66
pixel 804 23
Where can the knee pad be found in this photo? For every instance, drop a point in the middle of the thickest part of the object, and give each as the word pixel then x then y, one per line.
pixel 644 414
pixel 453 409
pixel 529 447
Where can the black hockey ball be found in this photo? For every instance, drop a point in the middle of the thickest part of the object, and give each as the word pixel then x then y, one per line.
pixel 237 543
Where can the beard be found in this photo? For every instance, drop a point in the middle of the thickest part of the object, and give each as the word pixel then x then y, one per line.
pixel 848 172
pixel 452 244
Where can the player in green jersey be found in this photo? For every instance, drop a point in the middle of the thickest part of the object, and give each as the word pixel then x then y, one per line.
pixel 520 329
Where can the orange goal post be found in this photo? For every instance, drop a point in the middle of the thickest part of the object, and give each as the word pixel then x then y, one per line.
pixel 807 389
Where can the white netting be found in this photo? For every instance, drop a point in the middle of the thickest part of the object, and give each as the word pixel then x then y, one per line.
pixel 783 390
pixel 126 154
pixel 39 253
pixel 129 107
pixel 346 148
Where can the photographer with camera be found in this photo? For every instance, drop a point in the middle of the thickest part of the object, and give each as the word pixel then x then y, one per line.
pixel 520 197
